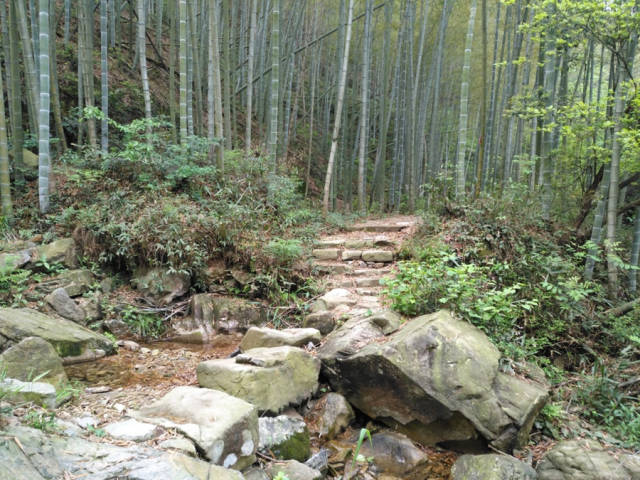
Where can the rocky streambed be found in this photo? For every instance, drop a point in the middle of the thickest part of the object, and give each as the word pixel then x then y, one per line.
pixel 359 393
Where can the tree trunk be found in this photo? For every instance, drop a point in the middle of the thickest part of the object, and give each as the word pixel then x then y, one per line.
pixel 104 77
pixel 464 106
pixel 338 117
pixel 5 179
pixel 364 112
pixel 43 130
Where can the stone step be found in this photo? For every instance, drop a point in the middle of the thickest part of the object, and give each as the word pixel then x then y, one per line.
pixel 377 256
pixel 376 228
pixel 351 255
pixel 370 272
pixel 367 282
pixel 327 268
pixel 326 253
pixel 329 243
pixel 368 292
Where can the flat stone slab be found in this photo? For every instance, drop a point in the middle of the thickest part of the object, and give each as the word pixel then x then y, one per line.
pixel 359 244
pixel 68 338
pixel 269 337
pixel 294 470
pixel 330 243
pixel 332 268
pixel 378 256
pixel 269 378
pixel 491 467
pixel 351 255
pixel 368 282
pixel 326 253
pixel 132 430
pixel 225 428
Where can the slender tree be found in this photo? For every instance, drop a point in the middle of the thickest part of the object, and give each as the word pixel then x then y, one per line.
pixel 43 118
pixel 364 112
pixel 340 102
pixel 5 181
pixel 464 105
pixel 215 126
pixel 104 76
pixel 275 86
pixel 142 46
pixel 182 14
pixel 250 61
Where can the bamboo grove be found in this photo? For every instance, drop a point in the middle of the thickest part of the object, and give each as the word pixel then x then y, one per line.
pixel 381 104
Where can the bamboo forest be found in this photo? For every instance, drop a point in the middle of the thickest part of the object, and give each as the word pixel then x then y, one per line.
pixel 319 239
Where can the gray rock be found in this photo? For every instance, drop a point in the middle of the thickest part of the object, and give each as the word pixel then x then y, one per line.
pixel 223 427
pixel 61 251
pixel 43 394
pixel 213 314
pixel 75 282
pixel 67 338
pixel 319 461
pixel 269 378
pixel 294 470
pixel 255 474
pixel 359 244
pixel 92 307
pixel 286 437
pixel 41 456
pixel 65 306
pixel 117 327
pixel 491 467
pixel 587 460
pixel 183 445
pixel 31 358
pixel 378 256
pixel 86 421
pixel 436 379
pixel 330 415
pixel 393 453
pixel 160 285
pixel 10 262
pixel 132 430
pixel 322 321
pixel 334 298
pixel 354 335
pixel 268 337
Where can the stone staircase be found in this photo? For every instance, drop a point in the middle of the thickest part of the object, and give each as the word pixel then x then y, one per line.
pixel 352 264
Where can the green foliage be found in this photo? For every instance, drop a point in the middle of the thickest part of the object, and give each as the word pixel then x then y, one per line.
pixel 42 420
pixel 364 434
pixel 281 476
pixel 144 324
pixel 606 403
pixel 12 286
pixel 98 432
pixel 284 251
pixel 495 272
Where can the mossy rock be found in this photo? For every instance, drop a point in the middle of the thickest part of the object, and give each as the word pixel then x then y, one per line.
pixel 67 338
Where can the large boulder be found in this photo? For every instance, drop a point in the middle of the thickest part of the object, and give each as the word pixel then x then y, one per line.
pixel 161 285
pixel 31 358
pixel 491 467
pixel 436 379
pixel 67 338
pixel 268 337
pixel 11 261
pixel 29 454
pixel 65 306
pixel 61 251
pixel 269 378
pixel 587 460
pixel 212 314
pixel 223 427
